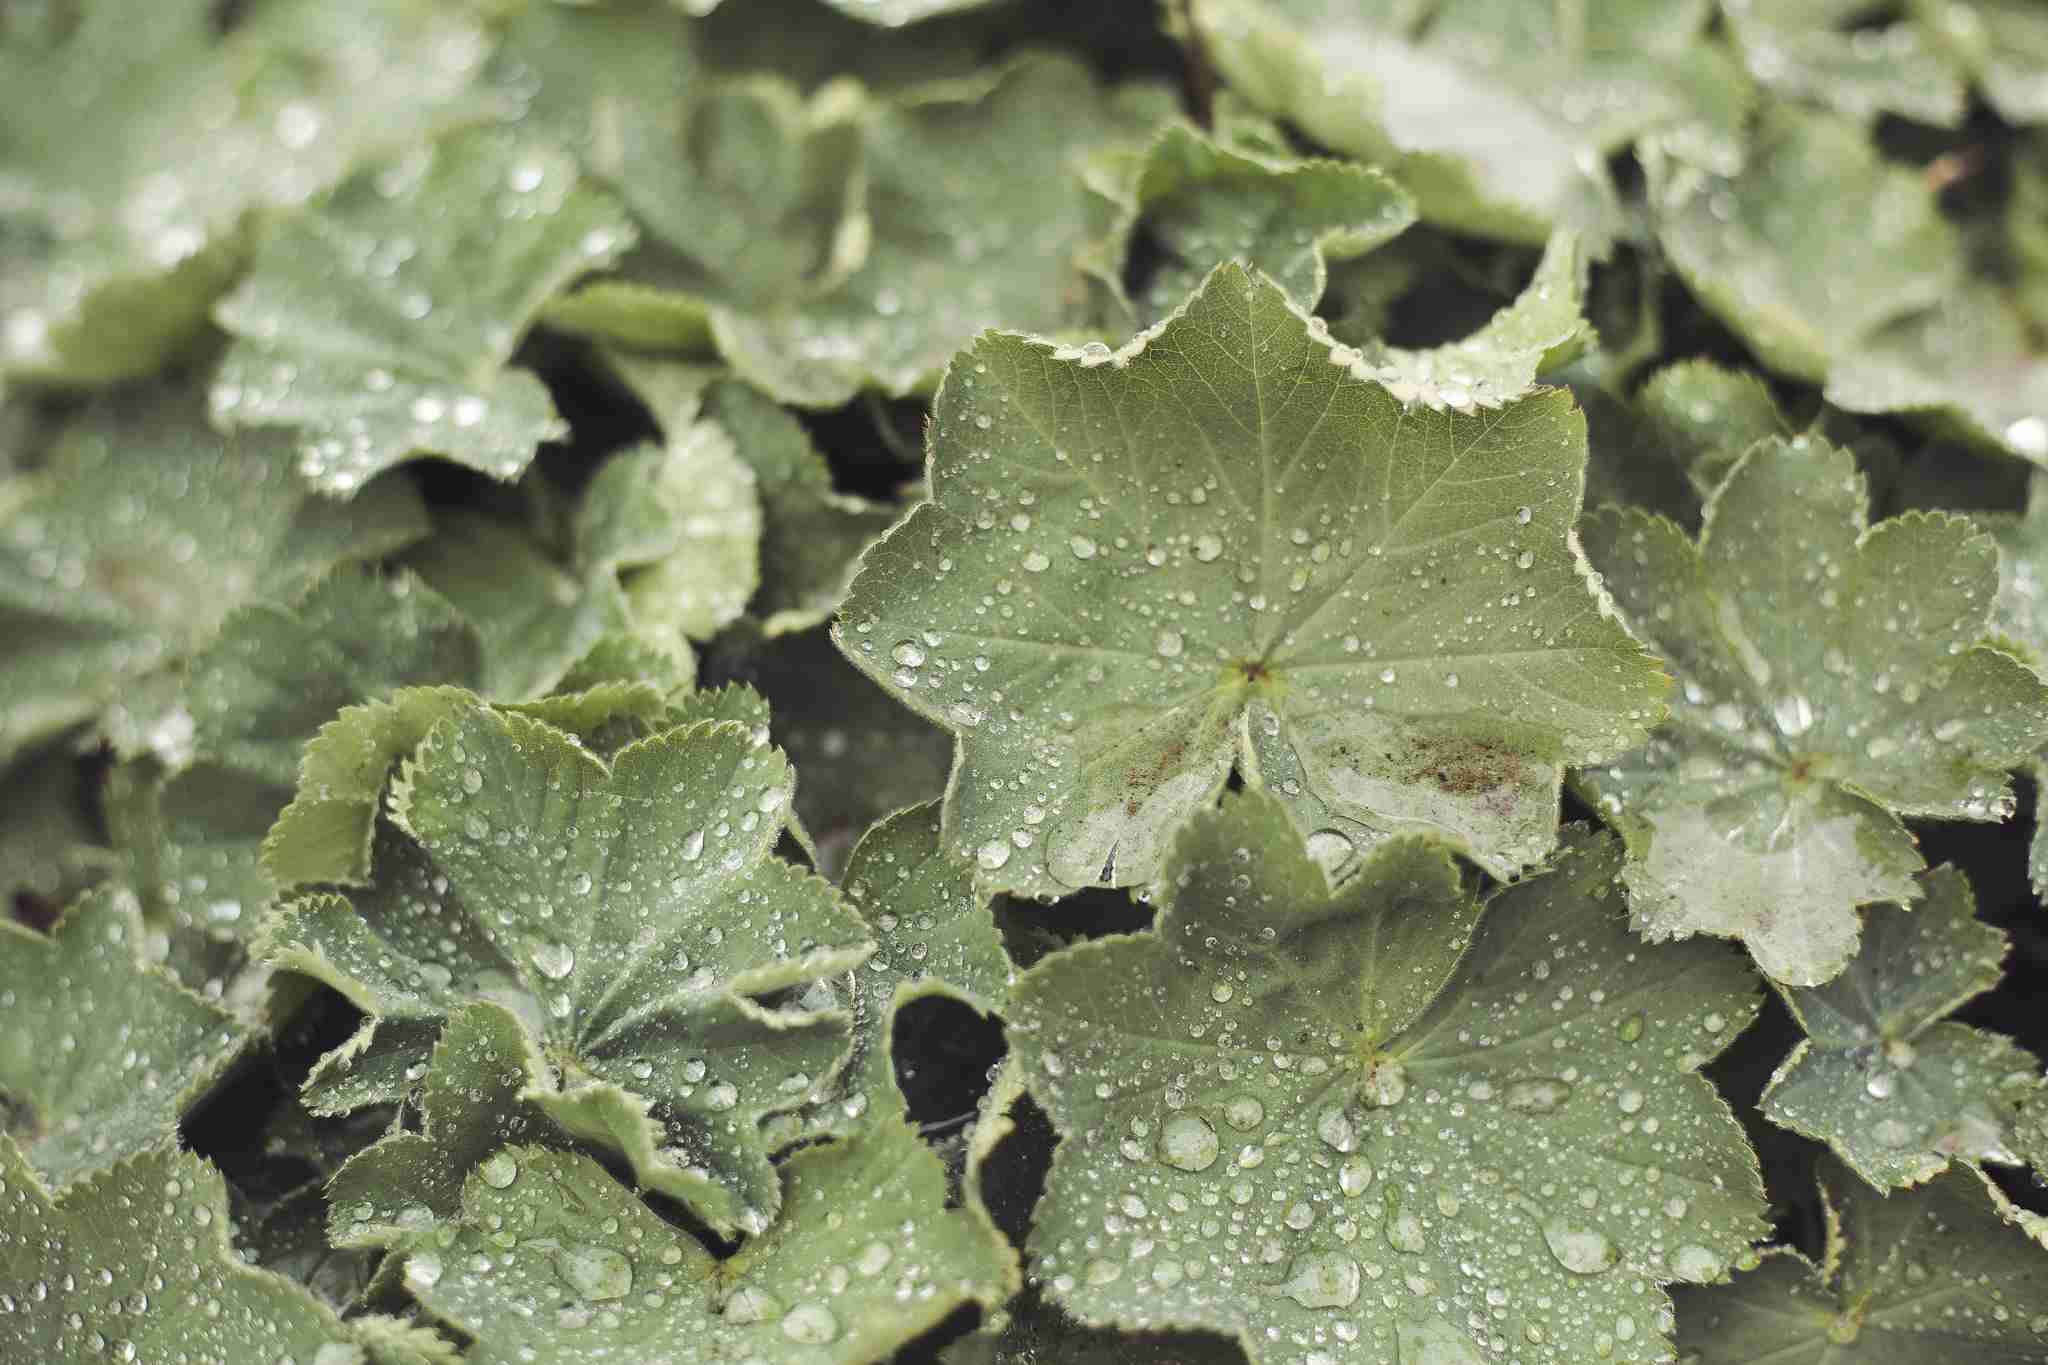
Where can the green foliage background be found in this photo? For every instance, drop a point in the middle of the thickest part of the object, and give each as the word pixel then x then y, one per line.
pixel 1002 681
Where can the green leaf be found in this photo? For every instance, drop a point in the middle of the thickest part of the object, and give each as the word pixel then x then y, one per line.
pixel 1934 1274
pixel 810 533
pixel 1030 1332
pixel 1896 1092
pixel 1705 416
pixel 1967 367
pixel 628 913
pixel 951 248
pixel 135 145
pixel 859 755
pixel 117 1051
pixel 1806 50
pixel 1918 66
pixel 1498 116
pixel 228 729
pixel 744 184
pixel 896 13
pixel 1199 203
pixel 1762 250
pixel 52 845
pixel 1298 1113
pixel 1543 328
pixel 2020 615
pixel 1219 546
pixel 136 1262
pixel 934 936
pixel 127 549
pixel 471 1105
pixel 1834 677
pixel 379 343
pixel 866 1258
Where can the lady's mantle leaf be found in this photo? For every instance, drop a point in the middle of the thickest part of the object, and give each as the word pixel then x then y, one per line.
pixel 866 1257
pixel 1935 1275
pixel 101 1055
pixel 470 1106
pixel 1835 677
pixel 1199 203
pixel 381 342
pixel 1499 116
pixel 1221 545
pixel 951 249
pixel 139 535
pixel 135 1264
pixel 1297 1114
pixel 628 913
pixel 934 936
pixel 135 145
pixel 2021 615
pixel 1879 1078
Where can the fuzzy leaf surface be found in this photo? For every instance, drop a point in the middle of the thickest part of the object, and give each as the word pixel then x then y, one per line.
pixel 1317 1116
pixel 378 343
pixel 133 1048
pixel 138 536
pixel 1499 116
pixel 136 142
pixel 628 912
pixel 1834 677
pixel 935 935
pixel 1933 1274
pixel 153 1231
pixel 1881 1078
pixel 866 1258
pixel 1219 547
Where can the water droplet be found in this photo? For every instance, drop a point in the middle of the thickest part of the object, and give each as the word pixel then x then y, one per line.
pixel 1579 1249
pixel 1169 644
pixel 1208 547
pixel 1036 562
pixel 594 1272
pixel 1353 1177
pixel 1082 546
pixel 1188 1143
pixel 1793 714
pixel 1525 515
pixel 1324 1279
pixel 1878 1085
pixel 874 1258
pixel 1335 1128
pixel 992 854
pixel 1538 1095
pixel 693 846
pixel 422 1271
pixel 553 960
pixel 498 1170
pixel 1405 1233
pixel 1387 1085
pixel 909 653
pixel 810 1324
pixel 1695 1263
pixel 1891 1133
pixel 721 1097
pixel 1244 1113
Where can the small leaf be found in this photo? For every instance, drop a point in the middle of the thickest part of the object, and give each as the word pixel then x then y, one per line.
pixel 952 249
pixel 1762 251
pixel 934 936
pixel 859 755
pixel 135 145
pixel 1543 328
pixel 1834 677
pixel 1219 546
pixel 1934 1274
pixel 866 1258
pixel 93 599
pixel 1289 1109
pixel 118 1052
pixel 1896 1092
pixel 1499 117
pixel 137 1262
pixel 470 1105
pixel 1706 416
pixel 627 913
pixel 380 343
pixel 1200 203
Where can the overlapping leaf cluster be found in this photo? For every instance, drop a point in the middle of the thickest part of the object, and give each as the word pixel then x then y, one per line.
pixel 855 680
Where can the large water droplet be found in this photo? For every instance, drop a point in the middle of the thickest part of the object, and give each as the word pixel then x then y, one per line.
pixel 810 1324
pixel 1323 1279
pixel 553 960
pixel 1244 1113
pixel 595 1272
pixel 498 1170
pixel 1695 1263
pixel 1537 1095
pixel 1188 1143
pixel 1578 1248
